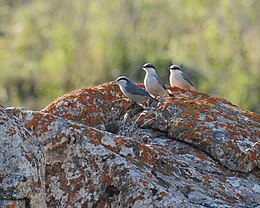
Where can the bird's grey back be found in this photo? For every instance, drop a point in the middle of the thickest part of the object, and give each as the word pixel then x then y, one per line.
pixel 160 81
pixel 136 90
pixel 186 78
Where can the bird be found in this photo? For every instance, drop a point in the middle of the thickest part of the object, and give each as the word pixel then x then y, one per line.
pixel 133 91
pixel 152 82
pixel 179 79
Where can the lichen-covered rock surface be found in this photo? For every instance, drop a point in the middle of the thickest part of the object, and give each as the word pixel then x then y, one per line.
pixel 94 148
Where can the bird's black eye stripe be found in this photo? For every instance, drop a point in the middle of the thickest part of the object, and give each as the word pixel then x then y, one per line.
pixel 175 67
pixel 148 65
pixel 122 78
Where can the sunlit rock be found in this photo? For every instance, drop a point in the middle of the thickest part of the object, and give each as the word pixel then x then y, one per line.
pixel 94 148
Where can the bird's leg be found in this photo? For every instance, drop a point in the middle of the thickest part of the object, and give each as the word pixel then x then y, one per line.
pixel 161 100
pixel 149 103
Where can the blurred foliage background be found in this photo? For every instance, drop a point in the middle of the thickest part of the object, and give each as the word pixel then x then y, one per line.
pixel 50 47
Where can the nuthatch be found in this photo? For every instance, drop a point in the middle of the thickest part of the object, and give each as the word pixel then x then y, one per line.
pixel 153 83
pixel 179 79
pixel 132 91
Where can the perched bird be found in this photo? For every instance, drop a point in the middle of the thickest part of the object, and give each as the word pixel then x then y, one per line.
pixel 179 79
pixel 132 91
pixel 152 82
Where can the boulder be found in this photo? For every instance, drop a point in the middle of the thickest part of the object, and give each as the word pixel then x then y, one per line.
pixel 94 148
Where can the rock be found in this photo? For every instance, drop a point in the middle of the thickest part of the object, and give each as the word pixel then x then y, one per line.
pixel 93 148
pixel 22 164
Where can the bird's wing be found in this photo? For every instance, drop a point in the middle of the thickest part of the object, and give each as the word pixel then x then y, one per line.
pixel 186 78
pixel 160 81
pixel 136 90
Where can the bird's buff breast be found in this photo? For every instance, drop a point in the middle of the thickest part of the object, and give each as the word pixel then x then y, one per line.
pixel 178 81
pixel 153 86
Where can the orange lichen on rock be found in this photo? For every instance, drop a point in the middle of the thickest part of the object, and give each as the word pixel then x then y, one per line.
pixel 205 121
pixel 33 123
pixel 37 184
pixel 200 155
pixel 90 106
pixel 94 148
pixel 149 175
pixel 148 154
pixel 106 178
pixel 163 193
pixel 13 205
pixel 206 177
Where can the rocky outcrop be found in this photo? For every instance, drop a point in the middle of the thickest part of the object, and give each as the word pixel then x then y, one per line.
pixel 94 148
pixel 22 162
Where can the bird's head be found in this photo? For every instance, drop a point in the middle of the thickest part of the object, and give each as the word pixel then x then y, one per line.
pixel 149 68
pixel 174 67
pixel 122 81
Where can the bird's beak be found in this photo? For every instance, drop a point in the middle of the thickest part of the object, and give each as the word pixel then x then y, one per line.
pixel 114 82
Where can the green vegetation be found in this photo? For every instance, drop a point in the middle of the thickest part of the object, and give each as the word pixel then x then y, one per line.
pixel 50 47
